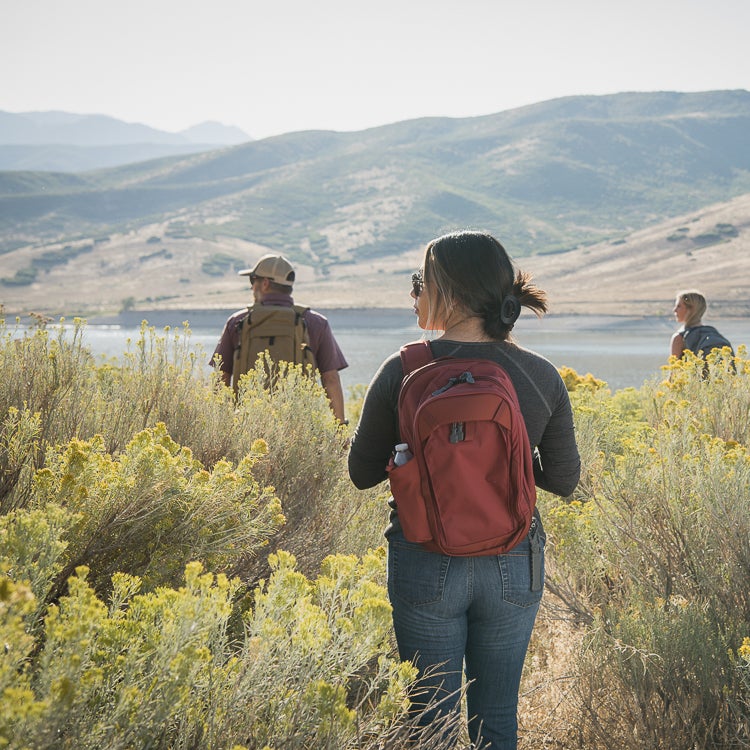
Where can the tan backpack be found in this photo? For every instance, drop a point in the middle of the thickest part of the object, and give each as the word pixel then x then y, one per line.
pixel 280 331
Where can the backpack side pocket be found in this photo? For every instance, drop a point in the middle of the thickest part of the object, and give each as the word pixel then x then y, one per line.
pixel 406 487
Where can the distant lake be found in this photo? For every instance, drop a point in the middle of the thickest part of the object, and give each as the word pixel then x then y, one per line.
pixel 622 351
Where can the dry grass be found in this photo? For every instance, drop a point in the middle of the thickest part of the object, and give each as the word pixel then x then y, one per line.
pixel 548 717
pixel 641 276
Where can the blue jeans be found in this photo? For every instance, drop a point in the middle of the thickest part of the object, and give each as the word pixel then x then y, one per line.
pixel 472 613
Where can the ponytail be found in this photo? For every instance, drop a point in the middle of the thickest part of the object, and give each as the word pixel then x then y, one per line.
pixel 497 323
pixel 529 294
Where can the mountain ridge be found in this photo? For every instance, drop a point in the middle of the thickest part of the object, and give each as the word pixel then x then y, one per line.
pixel 65 141
pixel 550 179
pixel 59 127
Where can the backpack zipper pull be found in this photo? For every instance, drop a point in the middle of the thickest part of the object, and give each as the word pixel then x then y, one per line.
pixel 457 432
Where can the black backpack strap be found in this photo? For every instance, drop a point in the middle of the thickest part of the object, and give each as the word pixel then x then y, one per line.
pixel 300 311
pixel 240 324
pixel 415 355
pixel 690 337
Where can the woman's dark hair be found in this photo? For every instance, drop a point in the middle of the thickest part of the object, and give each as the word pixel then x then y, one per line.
pixel 472 270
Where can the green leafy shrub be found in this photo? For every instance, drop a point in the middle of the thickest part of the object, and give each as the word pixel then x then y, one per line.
pixel 22 277
pixel 727 230
pixel 218 264
pixel 51 258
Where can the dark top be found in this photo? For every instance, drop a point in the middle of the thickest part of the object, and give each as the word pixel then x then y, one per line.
pixel 328 355
pixel 542 396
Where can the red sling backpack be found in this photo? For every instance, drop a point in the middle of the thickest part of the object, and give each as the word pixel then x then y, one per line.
pixel 469 489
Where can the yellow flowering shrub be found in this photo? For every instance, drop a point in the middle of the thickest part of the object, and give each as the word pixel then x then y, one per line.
pixel 152 509
pixel 573 381
pixel 136 610
pixel 161 668
pixel 650 556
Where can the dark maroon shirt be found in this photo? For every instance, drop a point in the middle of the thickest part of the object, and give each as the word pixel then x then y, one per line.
pixel 328 355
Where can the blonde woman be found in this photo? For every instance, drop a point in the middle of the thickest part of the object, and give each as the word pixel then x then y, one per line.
pixel 692 335
pixel 689 308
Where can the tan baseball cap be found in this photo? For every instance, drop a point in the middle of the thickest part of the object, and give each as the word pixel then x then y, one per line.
pixel 274 267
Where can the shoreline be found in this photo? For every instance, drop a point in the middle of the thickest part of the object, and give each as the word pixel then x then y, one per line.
pixel 622 350
pixel 557 330
pixel 362 317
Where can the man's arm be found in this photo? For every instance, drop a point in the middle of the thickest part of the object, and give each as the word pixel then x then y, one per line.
pixel 223 356
pixel 331 382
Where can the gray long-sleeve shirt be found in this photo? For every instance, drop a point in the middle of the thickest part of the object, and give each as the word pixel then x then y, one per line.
pixel 542 396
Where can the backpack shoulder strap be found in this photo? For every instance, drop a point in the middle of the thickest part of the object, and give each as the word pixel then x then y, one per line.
pixel 690 336
pixel 695 333
pixel 415 355
pixel 305 355
pixel 299 319
pixel 239 325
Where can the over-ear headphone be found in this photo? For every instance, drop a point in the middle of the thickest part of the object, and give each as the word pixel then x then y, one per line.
pixel 510 309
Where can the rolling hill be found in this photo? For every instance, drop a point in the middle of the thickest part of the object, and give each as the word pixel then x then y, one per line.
pixel 573 182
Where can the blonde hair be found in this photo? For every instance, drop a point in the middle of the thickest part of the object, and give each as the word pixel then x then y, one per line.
pixel 695 303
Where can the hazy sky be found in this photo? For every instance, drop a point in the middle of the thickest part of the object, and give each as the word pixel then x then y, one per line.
pixel 285 65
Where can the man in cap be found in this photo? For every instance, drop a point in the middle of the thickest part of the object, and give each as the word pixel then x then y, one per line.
pixel 271 280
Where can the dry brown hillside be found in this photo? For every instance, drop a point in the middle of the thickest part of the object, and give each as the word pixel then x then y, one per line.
pixel 643 273
pixel 637 274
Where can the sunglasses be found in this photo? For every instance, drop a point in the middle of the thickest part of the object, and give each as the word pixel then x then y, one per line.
pixel 417 283
pixel 254 278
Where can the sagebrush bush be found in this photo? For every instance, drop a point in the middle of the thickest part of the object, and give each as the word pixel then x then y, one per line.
pixel 714 396
pixel 161 380
pixel 19 446
pixel 100 503
pixel 160 669
pixel 153 508
pixel 304 462
pixel 45 374
pixel 653 559
pixel 116 479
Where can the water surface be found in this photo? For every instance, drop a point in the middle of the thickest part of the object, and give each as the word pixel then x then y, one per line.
pixel 622 351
